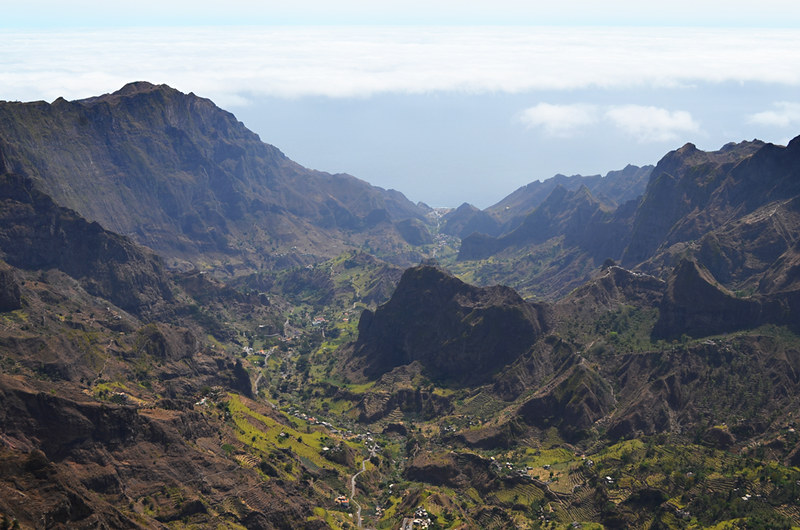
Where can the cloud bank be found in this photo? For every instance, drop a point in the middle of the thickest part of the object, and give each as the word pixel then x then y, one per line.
pixel 228 63
pixel 785 114
pixel 559 120
pixel 645 123
pixel 652 124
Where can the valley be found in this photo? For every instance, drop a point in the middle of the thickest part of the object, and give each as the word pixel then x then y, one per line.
pixel 197 332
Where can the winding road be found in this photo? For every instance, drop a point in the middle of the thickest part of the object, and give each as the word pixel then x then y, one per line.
pixel 261 374
pixel 372 452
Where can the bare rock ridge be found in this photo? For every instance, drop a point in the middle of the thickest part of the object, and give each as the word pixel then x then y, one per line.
pixel 696 305
pixel 685 184
pixel 185 178
pixel 734 211
pixel 460 334
pixel 613 189
pixel 37 234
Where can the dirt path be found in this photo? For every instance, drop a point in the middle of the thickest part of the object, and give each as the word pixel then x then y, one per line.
pixel 372 452
pixel 261 374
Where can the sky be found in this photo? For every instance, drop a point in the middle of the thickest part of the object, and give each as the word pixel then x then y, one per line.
pixel 445 101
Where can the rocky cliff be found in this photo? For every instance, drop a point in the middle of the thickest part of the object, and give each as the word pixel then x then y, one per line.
pixel 35 233
pixel 460 334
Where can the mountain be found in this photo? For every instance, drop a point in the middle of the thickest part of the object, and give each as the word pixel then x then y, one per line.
pixel 185 178
pixel 613 189
pixel 222 379
pixel 460 334
pixel 683 189
pixel 733 211
pixel 467 219
pixel 35 234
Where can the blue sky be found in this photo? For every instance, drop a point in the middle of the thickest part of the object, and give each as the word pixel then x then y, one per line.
pixel 445 101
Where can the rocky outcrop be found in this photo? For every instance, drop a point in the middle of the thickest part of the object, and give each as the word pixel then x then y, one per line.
pixel 35 233
pixel 467 219
pixel 572 402
pixel 10 297
pixel 460 334
pixel 696 305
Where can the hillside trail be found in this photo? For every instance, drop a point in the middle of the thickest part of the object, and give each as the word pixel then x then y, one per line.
pixel 372 452
pixel 261 375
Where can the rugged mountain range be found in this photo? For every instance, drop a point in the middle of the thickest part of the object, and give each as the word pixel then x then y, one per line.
pixel 613 189
pixel 185 178
pixel 732 210
pixel 168 359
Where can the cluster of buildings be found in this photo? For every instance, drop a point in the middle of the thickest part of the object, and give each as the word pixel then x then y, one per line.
pixel 421 518
pixel 342 501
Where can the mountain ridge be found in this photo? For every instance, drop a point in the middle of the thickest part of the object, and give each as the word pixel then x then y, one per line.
pixel 185 178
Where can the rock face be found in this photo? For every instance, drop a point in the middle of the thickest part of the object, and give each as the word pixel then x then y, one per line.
pixel 682 182
pixel 459 333
pixel 9 290
pixel 696 305
pixel 616 187
pixel 185 178
pixel 717 196
pixel 37 234
pixel 735 211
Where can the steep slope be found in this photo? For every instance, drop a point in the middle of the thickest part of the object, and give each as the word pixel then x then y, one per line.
pixel 690 192
pixel 696 305
pixel 185 178
pixel 556 248
pixel 460 334
pixel 37 234
pixel 615 188
pixel 115 406
pixel 467 219
pixel 734 211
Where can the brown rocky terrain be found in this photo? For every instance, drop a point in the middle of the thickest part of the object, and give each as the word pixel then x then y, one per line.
pixel 658 393
pixel 613 189
pixel 37 234
pixel 734 211
pixel 185 178
pixel 459 334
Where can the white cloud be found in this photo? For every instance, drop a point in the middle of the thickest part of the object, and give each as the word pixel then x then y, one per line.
pixel 652 124
pixel 646 123
pixel 227 63
pixel 559 120
pixel 785 114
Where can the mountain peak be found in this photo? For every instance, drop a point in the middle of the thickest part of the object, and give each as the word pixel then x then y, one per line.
pixel 459 333
pixel 137 87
